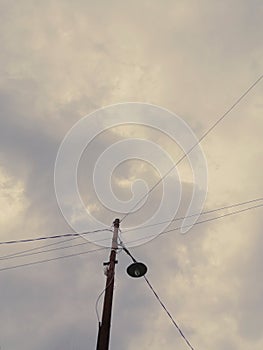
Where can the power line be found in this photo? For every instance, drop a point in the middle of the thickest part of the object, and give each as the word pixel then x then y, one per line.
pixel 102 248
pixel 153 290
pixel 17 254
pixel 193 215
pixel 52 259
pixel 52 237
pixel 169 314
pixel 159 300
pixel 78 235
pixel 198 223
pixel 20 254
pixel 219 217
pixel 42 251
pixel 197 143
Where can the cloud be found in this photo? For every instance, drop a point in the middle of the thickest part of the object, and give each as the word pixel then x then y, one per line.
pixel 62 60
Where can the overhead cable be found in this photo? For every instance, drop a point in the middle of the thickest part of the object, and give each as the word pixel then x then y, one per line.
pixel 196 214
pixel 53 237
pixel 196 144
pixel 133 241
pixel 52 259
pixel 24 251
pixel 159 300
pixel 14 256
pixel 169 314
pixel 197 223
pixel 77 235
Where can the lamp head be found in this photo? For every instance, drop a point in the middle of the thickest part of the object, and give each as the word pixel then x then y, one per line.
pixel 137 269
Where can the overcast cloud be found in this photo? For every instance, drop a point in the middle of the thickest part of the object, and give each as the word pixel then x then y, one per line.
pixel 61 60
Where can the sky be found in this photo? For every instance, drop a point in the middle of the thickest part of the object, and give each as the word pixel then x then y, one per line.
pixel 61 61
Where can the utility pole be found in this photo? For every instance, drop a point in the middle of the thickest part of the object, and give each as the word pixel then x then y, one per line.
pixel 104 325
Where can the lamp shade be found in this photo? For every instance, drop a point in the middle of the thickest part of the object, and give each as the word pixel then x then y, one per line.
pixel 137 269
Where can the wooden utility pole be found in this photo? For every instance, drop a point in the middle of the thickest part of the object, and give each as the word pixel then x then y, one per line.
pixel 104 325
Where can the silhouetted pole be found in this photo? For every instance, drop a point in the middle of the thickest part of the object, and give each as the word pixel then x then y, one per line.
pixel 104 325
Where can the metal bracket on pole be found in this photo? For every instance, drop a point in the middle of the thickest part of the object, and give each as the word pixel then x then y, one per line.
pixel 108 263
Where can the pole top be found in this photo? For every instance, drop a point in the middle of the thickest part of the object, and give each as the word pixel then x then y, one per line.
pixel 116 223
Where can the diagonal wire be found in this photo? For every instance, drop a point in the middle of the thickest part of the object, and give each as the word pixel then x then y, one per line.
pixel 219 217
pixel 52 259
pixel 75 236
pixel 197 143
pixel 94 250
pixel 198 223
pixel 53 237
pixel 168 313
pixel 21 252
pixel 20 255
pixel 196 214
pixel 159 300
